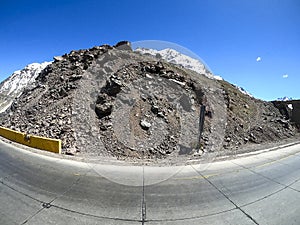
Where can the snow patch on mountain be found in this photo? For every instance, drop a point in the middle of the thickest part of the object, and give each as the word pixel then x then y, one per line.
pixel 175 57
pixel 244 91
pixel 14 85
pixel 285 98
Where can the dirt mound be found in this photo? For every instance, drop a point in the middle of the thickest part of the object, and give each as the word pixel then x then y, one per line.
pixel 111 101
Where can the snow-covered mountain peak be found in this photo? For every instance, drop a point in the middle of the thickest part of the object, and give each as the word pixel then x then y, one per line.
pixel 36 66
pixel 21 78
pixel 14 85
pixel 285 98
pixel 175 57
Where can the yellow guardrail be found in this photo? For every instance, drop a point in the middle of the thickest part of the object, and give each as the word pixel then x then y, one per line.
pixel 48 144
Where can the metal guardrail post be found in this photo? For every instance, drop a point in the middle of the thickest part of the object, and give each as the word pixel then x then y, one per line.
pixel 201 121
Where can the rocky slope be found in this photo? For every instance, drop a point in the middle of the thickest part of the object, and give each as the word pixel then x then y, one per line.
pixel 253 121
pixel 111 101
pixel 13 86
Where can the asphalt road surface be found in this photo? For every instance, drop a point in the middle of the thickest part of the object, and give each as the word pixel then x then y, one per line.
pixel 251 189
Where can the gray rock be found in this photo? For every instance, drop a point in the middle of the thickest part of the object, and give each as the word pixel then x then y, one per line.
pixel 123 45
pixel 145 125
pixel 58 58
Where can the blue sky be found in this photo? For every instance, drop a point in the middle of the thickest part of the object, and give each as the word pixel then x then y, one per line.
pixel 228 35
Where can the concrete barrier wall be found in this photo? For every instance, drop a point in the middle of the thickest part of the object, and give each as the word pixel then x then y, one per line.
pixel 47 144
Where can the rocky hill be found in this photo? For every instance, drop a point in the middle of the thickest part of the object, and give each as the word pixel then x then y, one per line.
pixel 113 102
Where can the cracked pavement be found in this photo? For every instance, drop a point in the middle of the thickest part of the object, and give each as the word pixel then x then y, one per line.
pixel 257 189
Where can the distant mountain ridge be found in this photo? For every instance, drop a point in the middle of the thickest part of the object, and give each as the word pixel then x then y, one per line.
pixel 285 98
pixel 177 58
pixel 15 84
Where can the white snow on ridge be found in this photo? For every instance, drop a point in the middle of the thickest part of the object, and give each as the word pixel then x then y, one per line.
pixel 244 91
pixel 13 86
pixel 175 57
pixel 285 98
pixel 21 78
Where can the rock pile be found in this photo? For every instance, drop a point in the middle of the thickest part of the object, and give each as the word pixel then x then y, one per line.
pixel 252 121
pixel 46 108
pixel 111 101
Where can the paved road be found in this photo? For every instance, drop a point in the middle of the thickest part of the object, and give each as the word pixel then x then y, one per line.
pixel 254 189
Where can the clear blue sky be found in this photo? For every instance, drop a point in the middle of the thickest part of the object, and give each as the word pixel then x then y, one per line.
pixel 228 35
